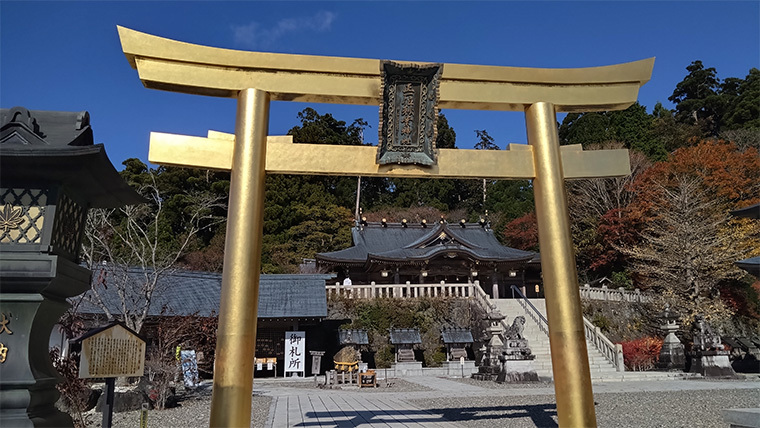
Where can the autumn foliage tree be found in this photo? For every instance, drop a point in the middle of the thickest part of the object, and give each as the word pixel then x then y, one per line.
pixel 600 221
pixel 690 242
pixel 522 232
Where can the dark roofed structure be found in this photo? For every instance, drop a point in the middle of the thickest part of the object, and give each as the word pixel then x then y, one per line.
pixel 405 336
pixel 752 264
pixel 456 340
pixel 457 335
pixel 752 211
pixel 188 292
pixel 353 337
pixel 415 244
pixel 393 253
pixel 58 146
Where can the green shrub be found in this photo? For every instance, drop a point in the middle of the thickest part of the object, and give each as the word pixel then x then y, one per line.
pixel 384 357
pixel 602 322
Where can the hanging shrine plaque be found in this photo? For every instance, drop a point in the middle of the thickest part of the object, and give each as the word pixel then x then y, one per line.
pixel 408 113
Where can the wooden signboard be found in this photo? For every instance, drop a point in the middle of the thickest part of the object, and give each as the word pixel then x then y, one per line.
pixel 368 379
pixel 112 351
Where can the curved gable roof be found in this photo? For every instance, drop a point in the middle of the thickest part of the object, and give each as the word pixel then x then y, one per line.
pixel 398 242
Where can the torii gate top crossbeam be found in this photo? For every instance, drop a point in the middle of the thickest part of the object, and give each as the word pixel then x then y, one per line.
pixel 183 67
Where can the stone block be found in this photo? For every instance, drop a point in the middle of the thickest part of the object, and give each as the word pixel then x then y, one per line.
pixel 742 418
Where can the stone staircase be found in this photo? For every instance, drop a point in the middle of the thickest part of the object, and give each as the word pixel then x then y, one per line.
pixel 601 369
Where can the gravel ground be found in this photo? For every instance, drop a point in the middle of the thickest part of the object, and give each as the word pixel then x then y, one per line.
pixel 640 410
pixel 511 385
pixel 194 409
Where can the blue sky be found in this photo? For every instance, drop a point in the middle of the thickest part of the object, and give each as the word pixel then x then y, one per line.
pixel 67 56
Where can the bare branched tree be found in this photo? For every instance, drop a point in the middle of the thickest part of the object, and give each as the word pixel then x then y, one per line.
pixel 129 249
pixel 590 199
pixel 689 248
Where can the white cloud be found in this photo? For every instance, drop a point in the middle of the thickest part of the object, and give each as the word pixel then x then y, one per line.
pixel 254 35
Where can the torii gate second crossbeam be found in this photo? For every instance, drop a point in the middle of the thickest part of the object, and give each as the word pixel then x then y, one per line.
pixel 255 79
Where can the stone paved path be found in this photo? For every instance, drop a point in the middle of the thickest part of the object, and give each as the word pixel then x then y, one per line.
pixel 337 409
pixel 307 407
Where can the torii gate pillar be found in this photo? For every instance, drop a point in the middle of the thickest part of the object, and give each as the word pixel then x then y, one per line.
pixel 572 376
pixel 236 336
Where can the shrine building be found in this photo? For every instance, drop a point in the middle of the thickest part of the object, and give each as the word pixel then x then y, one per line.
pixel 429 253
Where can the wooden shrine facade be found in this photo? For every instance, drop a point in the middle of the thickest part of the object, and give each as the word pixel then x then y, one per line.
pixel 422 253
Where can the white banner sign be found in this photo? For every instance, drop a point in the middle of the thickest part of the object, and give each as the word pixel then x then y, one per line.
pixel 295 348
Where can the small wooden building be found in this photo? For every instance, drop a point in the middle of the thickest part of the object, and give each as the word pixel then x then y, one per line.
pixel 404 339
pixel 456 341
pixel 286 303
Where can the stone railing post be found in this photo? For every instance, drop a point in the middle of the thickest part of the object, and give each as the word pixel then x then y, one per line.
pixel 619 357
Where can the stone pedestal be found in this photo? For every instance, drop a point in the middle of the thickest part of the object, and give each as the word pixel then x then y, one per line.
pixel 714 364
pixel 517 371
pixel 407 369
pixel 455 368
pixel 742 418
pixel 28 392
pixel 518 349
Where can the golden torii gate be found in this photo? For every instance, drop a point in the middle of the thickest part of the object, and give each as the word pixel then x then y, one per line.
pixel 255 79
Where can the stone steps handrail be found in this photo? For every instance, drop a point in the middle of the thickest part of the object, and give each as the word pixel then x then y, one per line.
pixel 531 310
pixel 614 294
pixel 612 352
pixel 483 299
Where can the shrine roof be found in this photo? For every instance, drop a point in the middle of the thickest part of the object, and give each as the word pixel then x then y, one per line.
pixel 399 242
pixel 457 335
pixel 751 265
pixel 190 292
pixel 752 211
pixel 353 337
pixel 400 336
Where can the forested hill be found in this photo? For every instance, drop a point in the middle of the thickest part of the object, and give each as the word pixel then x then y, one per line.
pixel 691 164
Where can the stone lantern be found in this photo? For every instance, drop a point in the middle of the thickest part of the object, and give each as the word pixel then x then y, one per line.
pixel 672 356
pixel 51 173
pixel 489 354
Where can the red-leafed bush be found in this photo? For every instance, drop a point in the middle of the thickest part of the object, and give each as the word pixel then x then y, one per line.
pixel 641 354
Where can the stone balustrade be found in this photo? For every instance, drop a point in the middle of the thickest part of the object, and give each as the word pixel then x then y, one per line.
pixel 374 290
pixel 613 352
pixel 614 295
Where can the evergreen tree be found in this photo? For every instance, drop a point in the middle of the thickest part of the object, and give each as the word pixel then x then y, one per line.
pixel 743 111
pixel 633 127
pixel 696 96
